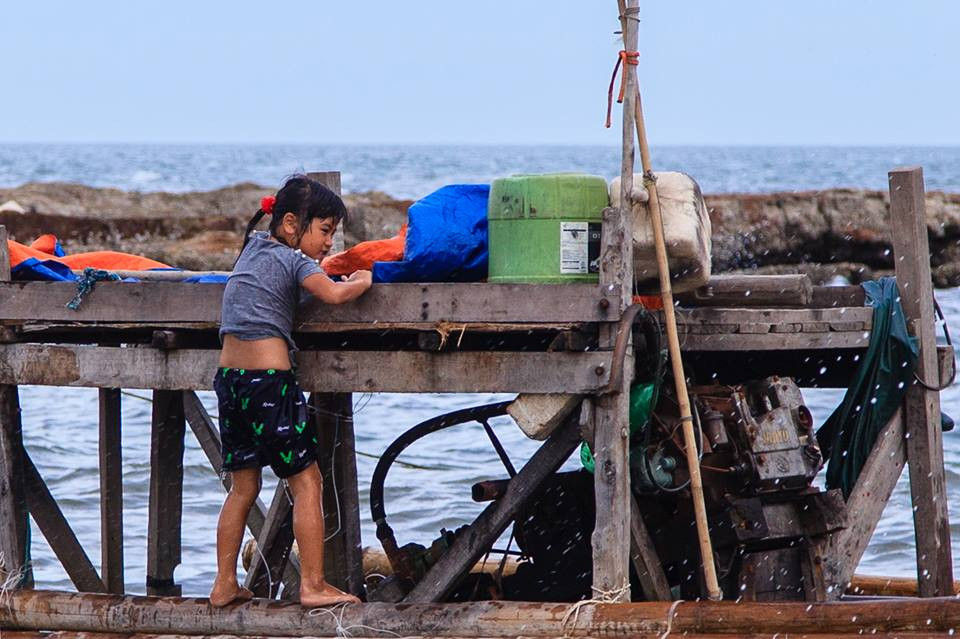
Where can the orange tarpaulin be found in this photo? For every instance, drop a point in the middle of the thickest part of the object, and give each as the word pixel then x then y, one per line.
pixel 43 250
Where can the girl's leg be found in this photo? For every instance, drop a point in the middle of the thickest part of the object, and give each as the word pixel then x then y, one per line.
pixel 244 489
pixel 307 489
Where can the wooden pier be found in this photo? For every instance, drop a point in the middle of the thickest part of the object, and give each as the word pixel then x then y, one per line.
pixel 441 338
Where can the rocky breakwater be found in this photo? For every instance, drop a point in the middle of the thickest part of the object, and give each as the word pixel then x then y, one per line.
pixel 826 233
pixel 822 233
pixel 195 230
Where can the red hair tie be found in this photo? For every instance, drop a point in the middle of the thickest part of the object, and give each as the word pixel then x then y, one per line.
pixel 266 204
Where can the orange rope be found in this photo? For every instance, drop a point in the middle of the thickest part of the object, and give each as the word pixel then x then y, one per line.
pixel 625 58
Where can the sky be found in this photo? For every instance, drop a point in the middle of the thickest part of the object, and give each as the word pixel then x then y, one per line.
pixel 744 72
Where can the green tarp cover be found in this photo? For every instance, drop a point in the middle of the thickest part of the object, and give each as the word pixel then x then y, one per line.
pixel 885 373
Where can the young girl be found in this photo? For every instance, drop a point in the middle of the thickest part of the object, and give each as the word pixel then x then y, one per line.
pixel 263 418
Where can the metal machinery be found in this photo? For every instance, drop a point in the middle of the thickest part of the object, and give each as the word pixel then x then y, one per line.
pixel 759 456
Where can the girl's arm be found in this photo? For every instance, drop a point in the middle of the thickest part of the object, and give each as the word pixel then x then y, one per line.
pixel 330 292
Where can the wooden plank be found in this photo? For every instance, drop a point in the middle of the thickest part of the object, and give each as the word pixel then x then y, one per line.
pixel 327 371
pixel 54 611
pixel 751 290
pixel 774 341
pixel 111 492
pixel 168 302
pixel 166 492
pixel 15 571
pixel 738 316
pixel 837 296
pixel 274 543
pixel 646 562
pixel 469 546
pixel 208 436
pixel 843 549
pixel 922 407
pixel 56 530
pixel 336 455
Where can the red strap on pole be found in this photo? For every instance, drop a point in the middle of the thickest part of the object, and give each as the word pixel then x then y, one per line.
pixel 625 58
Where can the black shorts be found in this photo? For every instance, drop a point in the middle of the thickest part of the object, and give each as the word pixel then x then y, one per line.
pixel 263 421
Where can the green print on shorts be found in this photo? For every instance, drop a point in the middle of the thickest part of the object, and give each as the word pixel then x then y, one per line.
pixel 314 440
pixel 271 371
pixel 244 402
pixel 257 428
pixel 242 371
pixel 229 458
pixel 300 426
pixel 283 391
pixel 288 457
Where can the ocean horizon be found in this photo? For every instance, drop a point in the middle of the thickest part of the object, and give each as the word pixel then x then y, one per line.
pixel 414 170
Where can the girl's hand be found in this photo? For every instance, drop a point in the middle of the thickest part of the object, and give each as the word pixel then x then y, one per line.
pixel 330 292
pixel 361 276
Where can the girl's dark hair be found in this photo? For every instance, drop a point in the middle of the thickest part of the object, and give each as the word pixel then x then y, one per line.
pixel 305 198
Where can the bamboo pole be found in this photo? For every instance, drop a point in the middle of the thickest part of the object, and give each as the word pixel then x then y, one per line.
pixel 666 293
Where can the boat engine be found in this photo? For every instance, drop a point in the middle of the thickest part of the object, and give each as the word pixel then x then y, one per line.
pixel 759 456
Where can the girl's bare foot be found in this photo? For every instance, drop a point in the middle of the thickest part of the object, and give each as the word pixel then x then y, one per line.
pixel 324 595
pixel 225 592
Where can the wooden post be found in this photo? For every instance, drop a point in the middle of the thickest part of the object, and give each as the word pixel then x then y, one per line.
pixel 111 492
pixel 336 454
pixel 15 569
pixel 166 492
pixel 14 520
pixel 922 406
pixel 611 533
pixel 331 179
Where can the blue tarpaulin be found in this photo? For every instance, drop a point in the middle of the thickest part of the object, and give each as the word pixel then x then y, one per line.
pixel 446 238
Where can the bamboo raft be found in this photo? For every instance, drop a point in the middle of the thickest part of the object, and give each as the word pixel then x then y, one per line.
pixel 415 338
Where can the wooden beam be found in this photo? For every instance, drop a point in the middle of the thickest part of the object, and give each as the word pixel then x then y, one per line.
pixel 111 492
pixel 327 371
pixel 843 549
pixel 751 290
pixel 56 530
pixel 208 436
pixel 336 455
pixel 166 492
pixel 922 407
pixel 53 611
pixel 468 547
pixel 646 562
pixel 158 303
pixel 274 544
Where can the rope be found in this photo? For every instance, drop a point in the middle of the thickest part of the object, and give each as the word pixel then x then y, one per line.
pixel 624 58
pixel 946 333
pixel 337 616
pixel 670 615
pixel 599 597
pixel 86 283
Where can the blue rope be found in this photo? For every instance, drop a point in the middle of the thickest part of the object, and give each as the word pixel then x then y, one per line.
pixel 86 283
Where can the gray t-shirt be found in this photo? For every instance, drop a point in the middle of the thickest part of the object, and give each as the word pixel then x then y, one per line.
pixel 263 291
